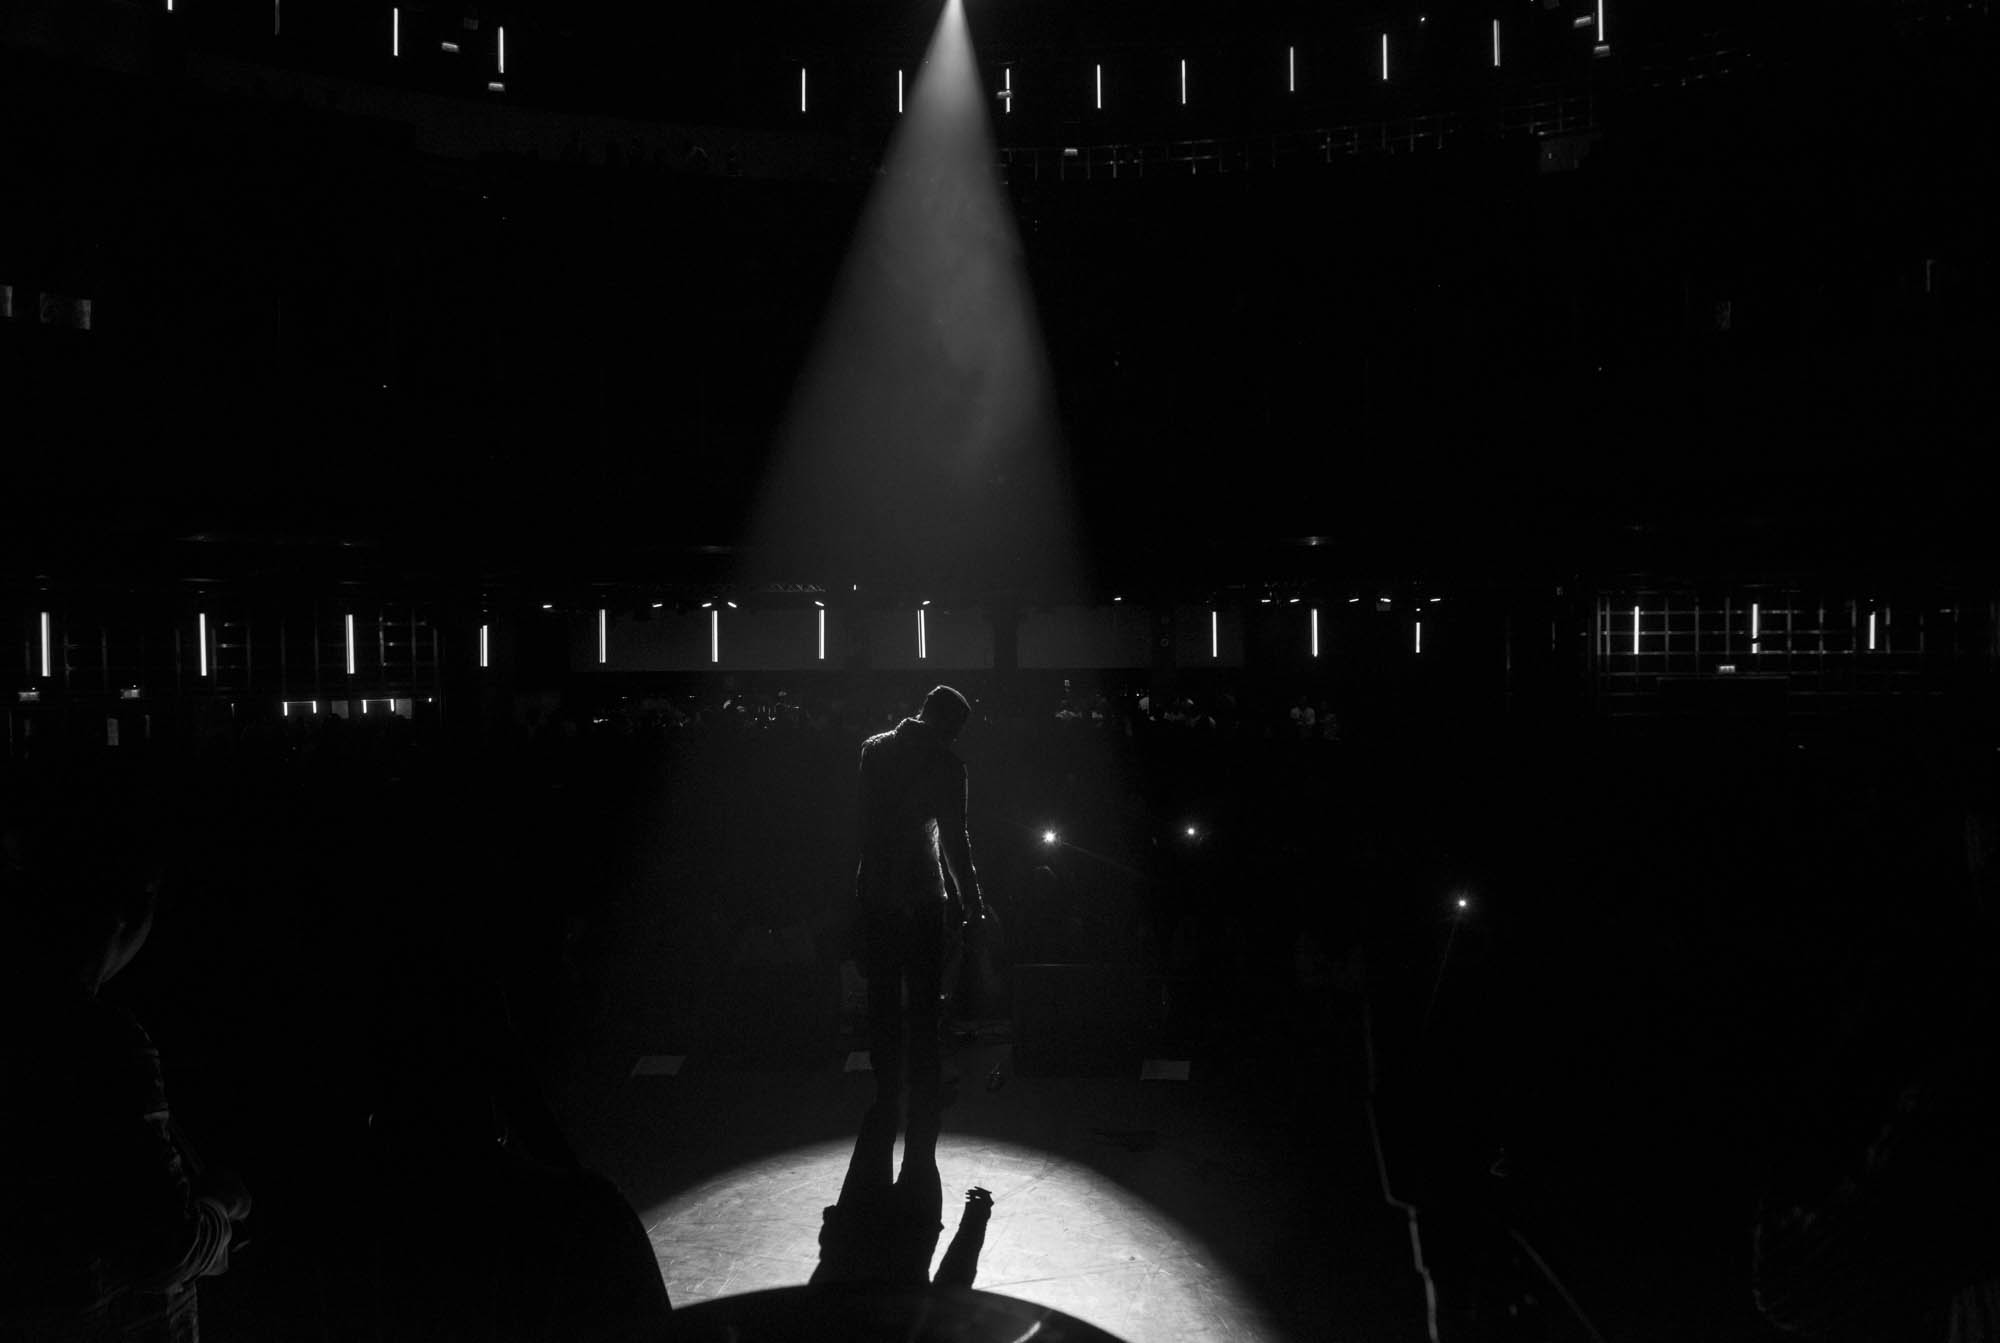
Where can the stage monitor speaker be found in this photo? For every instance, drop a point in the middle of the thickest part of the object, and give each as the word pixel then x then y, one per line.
pixel 1085 1020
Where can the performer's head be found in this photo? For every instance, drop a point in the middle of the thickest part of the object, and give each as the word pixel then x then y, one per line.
pixel 946 710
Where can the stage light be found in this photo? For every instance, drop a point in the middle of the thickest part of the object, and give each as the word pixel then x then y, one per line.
pixel 1214 635
pixel 731 605
pixel 482 646
pixel 1436 600
pixel 1183 81
pixel 1602 40
pixel 395 34
pixel 1117 599
pixel 658 605
pixel 1420 636
pixel 1291 69
pixel 822 633
pixel 495 86
pixel 503 51
pixel 548 606
pixel 601 637
pixel 451 47
pixel 899 93
pixel 1385 58
pixel 45 645
pixel 200 640
pixel 1007 89
pixel 1049 837
pixel 1635 631
pixel 1315 631
pixel 1871 637
pixel 922 650
pixel 1496 44
pixel 1352 600
pixel 275 16
pixel 1100 88
pixel 802 88
pixel 1464 903
pixel 350 643
pixel 714 636
pixel 1293 602
pixel 1753 627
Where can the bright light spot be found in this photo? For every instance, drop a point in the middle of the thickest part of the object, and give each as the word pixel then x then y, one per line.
pixel 731 605
pixel 495 86
pixel 602 641
pixel 451 47
pixel 1635 630
pixel 1420 636
pixel 1753 627
pixel 45 646
pixel 1871 635
pixel 1048 837
pixel 1726 668
pixel 1100 88
pixel 714 636
pixel 1496 44
pixel 822 634
pixel 1601 38
pixel 1385 57
pixel 483 646
pixel 350 644
pixel 1435 600
pixel 923 649
pixel 200 639
pixel 503 50
pixel 1117 599
pixel 1463 902
pixel 548 606
pixel 1214 635
pixel 899 93
pixel 1183 81
pixel 658 605
pixel 802 88
pixel 395 32
pixel 817 602
pixel 1291 69
pixel 1352 600
pixel 1315 631
pixel 1007 90
pixel 1191 832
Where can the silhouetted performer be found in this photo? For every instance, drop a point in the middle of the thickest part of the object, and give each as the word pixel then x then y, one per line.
pixel 106 1219
pixel 915 874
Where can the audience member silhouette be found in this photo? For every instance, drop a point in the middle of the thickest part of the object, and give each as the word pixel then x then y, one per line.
pixel 500 1234
pixel 915 873
pixel 107 1220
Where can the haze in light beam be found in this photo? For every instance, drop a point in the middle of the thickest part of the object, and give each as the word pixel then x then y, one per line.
pixel 921 447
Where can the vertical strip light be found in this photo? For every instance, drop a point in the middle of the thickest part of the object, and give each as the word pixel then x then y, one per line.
pixel 483 647
pixel 899 93
pixel 1753 627
pixel 1214 635
pixel 1100 88
pixel 1315 612
pixel 1007 89
pixel 350 643
pixel 503 49
pixel 1635 631
pixel 1871 635
pixel 1420 636
pixel 274 18
pixel 822 630
pixel 395 32
pixel 45 647
pixel 923 645
pixel 802 88
pixel 1496 44
pixel 602 643
pixel 1601 38
pixel 715 635
pixel 1183 81
pixel 1291 69
pixel 200 643
pixel 1385 58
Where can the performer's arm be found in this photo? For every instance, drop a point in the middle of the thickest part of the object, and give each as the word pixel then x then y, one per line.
pixel 955 841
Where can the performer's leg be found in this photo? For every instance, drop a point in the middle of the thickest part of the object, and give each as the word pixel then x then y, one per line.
pixel 882 964
pixel 926 976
